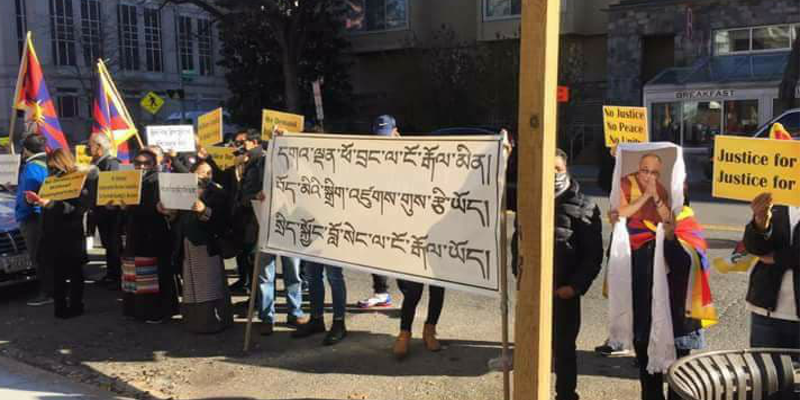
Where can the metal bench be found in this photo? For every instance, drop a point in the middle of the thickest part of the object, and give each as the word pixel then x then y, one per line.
pixel 751 374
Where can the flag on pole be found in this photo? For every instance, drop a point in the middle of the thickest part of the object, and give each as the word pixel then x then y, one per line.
pixel 31 96
pixel 111 118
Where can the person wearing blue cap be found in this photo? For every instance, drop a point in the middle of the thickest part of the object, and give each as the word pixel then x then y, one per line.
pixel 385 125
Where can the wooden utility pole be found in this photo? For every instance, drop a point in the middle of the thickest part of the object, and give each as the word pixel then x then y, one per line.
pixel 538 79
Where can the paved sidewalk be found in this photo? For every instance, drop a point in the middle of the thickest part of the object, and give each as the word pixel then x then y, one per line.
pixel 22 382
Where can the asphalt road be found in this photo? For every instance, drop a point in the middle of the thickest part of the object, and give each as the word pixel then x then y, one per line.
pixel 165 361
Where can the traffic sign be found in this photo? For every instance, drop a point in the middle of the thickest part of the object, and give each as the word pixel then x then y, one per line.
pixel 152 103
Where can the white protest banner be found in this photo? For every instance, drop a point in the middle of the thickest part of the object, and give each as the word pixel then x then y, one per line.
pixel 179 138
pixel 422 209
pixel 177 191
pixel 9 169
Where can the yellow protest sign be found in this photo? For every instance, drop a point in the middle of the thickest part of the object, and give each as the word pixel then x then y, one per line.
pixel 118 187
pixel 209 128
pixel 625 125
pixel 223 156
pixel 745 168
pixel 270 119
pixel 63 187
pixel 81 158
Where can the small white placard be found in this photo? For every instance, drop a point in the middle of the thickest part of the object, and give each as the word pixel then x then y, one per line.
pixel 178 191
pixel 179 138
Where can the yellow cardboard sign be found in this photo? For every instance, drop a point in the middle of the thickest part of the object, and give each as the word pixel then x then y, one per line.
pixel 81 158
pixel 64 187
pixel 745 168
pixel 271 119
pixel 209 128
pixel 223 156
pixel 625 125
pixel 119 187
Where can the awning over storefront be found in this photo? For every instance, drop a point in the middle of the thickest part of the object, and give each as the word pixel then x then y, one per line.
pixel 727 69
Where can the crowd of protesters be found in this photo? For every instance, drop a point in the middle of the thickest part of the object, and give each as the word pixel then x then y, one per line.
pixel 171 262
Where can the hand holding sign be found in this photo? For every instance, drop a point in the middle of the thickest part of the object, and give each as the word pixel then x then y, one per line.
pixel 762 210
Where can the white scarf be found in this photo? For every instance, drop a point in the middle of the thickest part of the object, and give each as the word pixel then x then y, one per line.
pixel 661 348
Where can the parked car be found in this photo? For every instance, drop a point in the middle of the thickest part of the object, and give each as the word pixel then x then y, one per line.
pixel 511 169
pixel 15 265
pixel 790 120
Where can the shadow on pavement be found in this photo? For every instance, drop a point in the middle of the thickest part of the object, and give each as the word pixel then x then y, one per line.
pixel 593 364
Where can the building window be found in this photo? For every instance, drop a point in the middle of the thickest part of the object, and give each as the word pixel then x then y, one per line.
pixel 22 25
pixel 128 37
pixel 91 31
pixel 185 43
pixel 205 47
pixel 741 117
pixel 376 15
pixel 62 29
pixel 754 40
pixel 497 9
pixel 152 40
pixel 68 106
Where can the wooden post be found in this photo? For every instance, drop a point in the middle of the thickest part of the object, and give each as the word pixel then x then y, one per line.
pixel 252 302
pixel 537 137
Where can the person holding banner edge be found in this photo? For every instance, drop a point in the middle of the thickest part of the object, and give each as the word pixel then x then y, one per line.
pixel 62 244
pixel 384 125
pixel 252 189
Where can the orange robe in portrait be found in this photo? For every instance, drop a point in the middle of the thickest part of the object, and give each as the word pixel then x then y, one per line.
pixel 632 189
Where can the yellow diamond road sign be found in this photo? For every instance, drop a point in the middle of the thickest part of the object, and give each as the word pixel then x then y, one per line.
pixel 152 103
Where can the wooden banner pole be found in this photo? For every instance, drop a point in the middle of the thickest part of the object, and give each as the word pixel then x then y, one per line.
pixel 537 137
pixel 251 306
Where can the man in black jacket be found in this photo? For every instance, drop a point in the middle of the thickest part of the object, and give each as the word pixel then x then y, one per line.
pixel 772 293
pixel 252 189
pixel 577 259
pixel 108 219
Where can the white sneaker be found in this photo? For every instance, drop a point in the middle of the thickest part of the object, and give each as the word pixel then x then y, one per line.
pixel 377 300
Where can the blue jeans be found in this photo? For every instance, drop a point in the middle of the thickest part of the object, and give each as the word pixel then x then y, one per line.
pixel 773 332
pixel 316 289
pixel 266 286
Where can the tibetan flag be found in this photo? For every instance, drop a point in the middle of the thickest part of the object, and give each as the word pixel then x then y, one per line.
pixel 31 96
pixel 779 132
pixel 111 118
pixel 699 301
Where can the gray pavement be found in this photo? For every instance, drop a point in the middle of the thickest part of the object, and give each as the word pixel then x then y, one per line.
pixel 19 381
pixel 165 361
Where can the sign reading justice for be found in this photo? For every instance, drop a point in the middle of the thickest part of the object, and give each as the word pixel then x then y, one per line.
pixel 745 168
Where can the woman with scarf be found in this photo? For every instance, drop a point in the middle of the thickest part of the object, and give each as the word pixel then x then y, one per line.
pixel 206 306
pixel 148 283
pixel 658 276
pixel 62 244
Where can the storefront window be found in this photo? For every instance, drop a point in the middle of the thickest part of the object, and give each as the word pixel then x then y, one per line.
pixel 741 117
pixel 733 41
pixel 665 123
pixel 701 122
pixel 772 38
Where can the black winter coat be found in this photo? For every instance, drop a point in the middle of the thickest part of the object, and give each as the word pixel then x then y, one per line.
pixel 146 230
pixel 188 224
pixel 765 280
pixel 578 253
pixel 63 237
pixel 252 183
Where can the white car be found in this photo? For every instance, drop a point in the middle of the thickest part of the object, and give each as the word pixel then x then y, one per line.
pixel 15 265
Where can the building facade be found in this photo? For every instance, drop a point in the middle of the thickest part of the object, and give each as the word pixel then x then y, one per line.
pixel 701 68
pixel 145 47
pixel 392 39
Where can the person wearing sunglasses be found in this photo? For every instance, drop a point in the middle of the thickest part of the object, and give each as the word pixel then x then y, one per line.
pixel 148 284
pixel 643 197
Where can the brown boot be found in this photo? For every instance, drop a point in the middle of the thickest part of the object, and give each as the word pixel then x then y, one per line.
pixel 429 337
pixel 401 345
